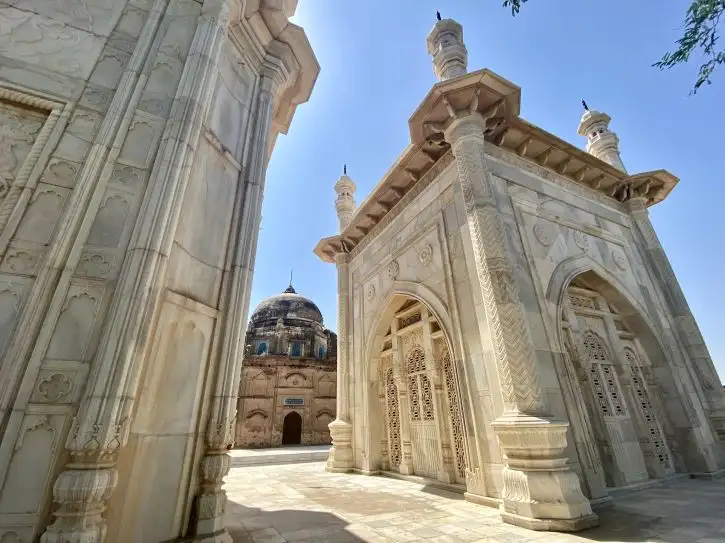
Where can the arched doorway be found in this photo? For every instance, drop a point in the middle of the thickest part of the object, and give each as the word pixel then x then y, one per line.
pixel 292 429
pixel 418 412
pixel 619 372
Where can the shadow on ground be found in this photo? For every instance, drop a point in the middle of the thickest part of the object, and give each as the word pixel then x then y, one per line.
pixel 250 524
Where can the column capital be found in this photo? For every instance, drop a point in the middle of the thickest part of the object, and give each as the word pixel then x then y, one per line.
pixel 636 204
pixel 472 125
pixel 341 259
pixel 279 67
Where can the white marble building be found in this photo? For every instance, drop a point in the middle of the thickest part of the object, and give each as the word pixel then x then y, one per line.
pixel 134 140
pixel 508 320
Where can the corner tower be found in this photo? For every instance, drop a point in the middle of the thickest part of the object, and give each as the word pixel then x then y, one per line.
pixel 345 201
pixel 446 47
pixel 601 142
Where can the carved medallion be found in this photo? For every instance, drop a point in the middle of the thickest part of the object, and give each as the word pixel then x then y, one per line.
pixel 543 234
pixel 370 292
pixel 619 259
pixel 425 256
pixel 393 270
pixel 54 387
pixel 581 240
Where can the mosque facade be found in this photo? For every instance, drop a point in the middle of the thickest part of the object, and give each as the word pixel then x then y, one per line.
pixel 509 322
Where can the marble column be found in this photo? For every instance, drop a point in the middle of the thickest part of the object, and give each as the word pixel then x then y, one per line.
pixel 100 428
pixel 341 454
pixel 211 498
pixel 685 325
pixel 540 491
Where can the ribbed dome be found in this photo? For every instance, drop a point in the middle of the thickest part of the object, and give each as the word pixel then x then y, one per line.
pixel 288 305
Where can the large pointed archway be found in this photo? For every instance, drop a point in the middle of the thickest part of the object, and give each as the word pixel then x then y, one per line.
pixel 629 404
pixel 414 405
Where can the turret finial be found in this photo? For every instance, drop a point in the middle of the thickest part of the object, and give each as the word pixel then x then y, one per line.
pixel 586 107
pixel 438 15
pixel 344 169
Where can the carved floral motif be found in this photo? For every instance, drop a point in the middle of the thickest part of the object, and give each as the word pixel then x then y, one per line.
pixel 543 234
pixel 370 292
pixel 393 270
pixel 425 256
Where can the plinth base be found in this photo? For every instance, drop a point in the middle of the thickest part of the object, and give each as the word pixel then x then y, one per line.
pixel 553 524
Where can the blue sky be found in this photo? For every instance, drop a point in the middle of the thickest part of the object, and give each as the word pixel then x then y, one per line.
pixel 375 71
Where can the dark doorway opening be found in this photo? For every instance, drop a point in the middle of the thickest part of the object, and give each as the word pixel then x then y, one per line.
pixel 292 429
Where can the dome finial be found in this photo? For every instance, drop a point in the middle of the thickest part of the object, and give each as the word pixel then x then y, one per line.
pixel 344 169
pixel 290 289
pixel 438 15
pixel 584 103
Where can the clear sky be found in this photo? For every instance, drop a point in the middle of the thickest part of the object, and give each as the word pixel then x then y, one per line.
pixel 375 71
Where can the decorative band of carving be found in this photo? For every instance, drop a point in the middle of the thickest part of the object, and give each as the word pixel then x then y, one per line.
pixel 512 343
pixel 28 99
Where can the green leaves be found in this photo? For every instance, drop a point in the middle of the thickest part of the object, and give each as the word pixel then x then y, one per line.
pixel 701 34
pixel 702 23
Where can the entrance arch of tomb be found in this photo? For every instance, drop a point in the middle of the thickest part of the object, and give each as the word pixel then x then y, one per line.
pixel 413 401
pixel 628 405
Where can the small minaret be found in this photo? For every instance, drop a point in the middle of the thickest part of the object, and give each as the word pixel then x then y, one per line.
pixel 345 202
pixel 445 45
pixel 601 142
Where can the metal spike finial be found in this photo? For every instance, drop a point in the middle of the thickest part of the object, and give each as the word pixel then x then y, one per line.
pixel 344 169
pixel 586 107
pixel 290 277
pixel 438 15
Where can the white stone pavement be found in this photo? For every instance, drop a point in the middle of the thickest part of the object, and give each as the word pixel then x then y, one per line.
pixel 303 503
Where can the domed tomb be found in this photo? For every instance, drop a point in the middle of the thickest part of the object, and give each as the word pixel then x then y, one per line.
pixel 287 391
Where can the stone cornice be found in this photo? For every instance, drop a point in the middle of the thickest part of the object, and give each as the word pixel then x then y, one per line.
pixel 263 23
pixel 509 138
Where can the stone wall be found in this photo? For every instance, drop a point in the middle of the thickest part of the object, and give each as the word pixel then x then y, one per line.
pixel 267 381
pixel 134 138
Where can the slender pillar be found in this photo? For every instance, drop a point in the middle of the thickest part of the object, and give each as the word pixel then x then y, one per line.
pixel 540 491
pixel 211 499
pixel 102 423
pixel 341 454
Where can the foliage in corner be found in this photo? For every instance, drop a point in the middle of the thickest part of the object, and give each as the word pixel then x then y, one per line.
pixel 701 34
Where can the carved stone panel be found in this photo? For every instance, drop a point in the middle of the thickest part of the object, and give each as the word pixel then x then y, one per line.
pixel 43 213
pixel 31 464
pixel 47 43
pixel 19 128
pixel 75 324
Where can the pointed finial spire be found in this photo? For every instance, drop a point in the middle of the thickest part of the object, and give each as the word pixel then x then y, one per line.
pixel 586 107
pixel 344 169
pixel 290 289
pixel 438 15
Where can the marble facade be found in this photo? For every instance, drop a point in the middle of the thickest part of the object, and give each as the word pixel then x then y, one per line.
pixel 508 320
pixel 134 140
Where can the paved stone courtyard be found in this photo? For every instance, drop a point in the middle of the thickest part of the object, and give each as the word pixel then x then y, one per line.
pixel 303 503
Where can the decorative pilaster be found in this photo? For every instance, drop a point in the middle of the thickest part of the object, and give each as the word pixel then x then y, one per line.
pixel 540 491
pixel 211 500
pixel 684 322
pixel 341 454
pixel 102 423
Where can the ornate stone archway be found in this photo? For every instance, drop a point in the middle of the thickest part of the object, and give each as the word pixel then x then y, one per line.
pixel 415 396
pixel 631 407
